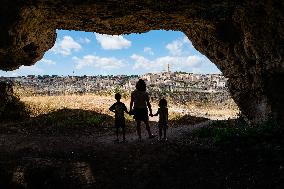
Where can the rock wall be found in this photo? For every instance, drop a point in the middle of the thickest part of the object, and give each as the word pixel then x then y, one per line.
pixel 11 108
pixel 244 38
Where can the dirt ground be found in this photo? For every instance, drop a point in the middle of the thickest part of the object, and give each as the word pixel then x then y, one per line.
pixel 89 158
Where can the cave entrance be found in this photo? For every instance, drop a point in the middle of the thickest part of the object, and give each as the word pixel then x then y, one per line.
pixel 83 70
pixel 250 55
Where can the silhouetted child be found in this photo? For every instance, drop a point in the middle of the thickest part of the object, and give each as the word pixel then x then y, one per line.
pixel 119 108
pixel 163 118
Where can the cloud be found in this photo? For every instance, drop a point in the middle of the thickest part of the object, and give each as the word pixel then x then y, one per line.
pixel 112 42
pixel 30 70
pixel 8 73
pixel 186 40
pixel 104 63
pixel 84 40
pixel 23 71
pixel 185 63
pixel 148 50
pixel 66 46
pixel 48 62
pixel 140 62
pixel 176 47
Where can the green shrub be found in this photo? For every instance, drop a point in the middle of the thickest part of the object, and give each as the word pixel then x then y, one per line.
pixel 226 131
pixel 95 120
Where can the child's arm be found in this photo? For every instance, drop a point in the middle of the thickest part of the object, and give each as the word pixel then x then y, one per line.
pixel 125 109
pixel 149 107
pixel 112 108
pixel 149 104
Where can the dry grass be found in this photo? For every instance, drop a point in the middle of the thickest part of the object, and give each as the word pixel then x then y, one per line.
pixel 214 112
pixel 45 104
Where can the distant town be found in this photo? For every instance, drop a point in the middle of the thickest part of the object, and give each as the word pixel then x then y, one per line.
pixel 157 82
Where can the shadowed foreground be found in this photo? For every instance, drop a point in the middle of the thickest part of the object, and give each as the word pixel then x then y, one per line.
pixel 82 155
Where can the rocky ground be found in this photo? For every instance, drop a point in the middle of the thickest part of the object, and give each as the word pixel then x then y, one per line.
pixel 85 156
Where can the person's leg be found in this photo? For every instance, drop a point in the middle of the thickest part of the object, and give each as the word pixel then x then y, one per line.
pixel 138 127
pixel 123 133
pixel 148 129
pixel 116 133
pixel 116 125
pixel 165 133
pixel 160 132
pixel 123 127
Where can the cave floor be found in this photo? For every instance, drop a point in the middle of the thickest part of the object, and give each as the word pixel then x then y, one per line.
pixel 93 160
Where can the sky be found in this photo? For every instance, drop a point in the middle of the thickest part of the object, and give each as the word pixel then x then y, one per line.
pixel 87 53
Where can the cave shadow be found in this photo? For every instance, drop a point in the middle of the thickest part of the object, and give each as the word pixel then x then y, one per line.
pixel 170 165
pixel 62 121
pixel 159 165
pixel 68 121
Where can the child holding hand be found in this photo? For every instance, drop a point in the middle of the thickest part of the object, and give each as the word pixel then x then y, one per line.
pixel 163 118
pixel 119 108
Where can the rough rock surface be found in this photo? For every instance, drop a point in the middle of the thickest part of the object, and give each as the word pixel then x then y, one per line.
pixel 11 108
pixel 245 39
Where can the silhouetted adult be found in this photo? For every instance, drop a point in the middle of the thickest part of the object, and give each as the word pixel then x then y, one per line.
pixel 139 105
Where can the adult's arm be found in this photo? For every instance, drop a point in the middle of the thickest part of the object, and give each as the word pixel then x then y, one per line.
pixel 131 102
pixel 112 108
pixel 148 104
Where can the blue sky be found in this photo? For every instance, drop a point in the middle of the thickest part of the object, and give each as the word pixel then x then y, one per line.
pixel 87 53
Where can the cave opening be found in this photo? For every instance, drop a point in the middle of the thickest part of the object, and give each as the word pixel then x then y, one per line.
pixel 84 69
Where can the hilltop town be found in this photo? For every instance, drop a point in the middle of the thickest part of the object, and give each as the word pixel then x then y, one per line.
pixel 156 82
